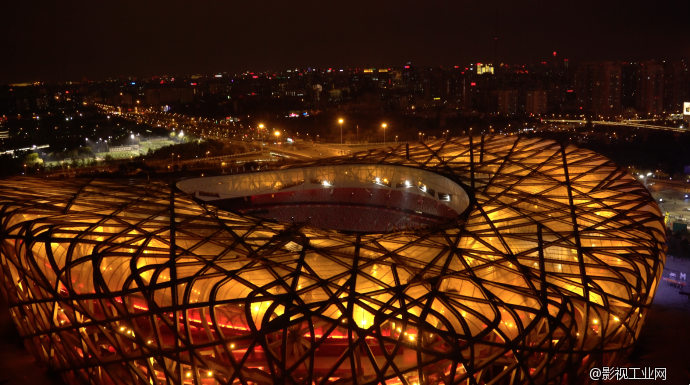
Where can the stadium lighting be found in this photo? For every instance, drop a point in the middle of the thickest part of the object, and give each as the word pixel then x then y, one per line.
pixel 341 130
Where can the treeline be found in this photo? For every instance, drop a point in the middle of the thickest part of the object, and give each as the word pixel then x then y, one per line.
pixel 76 153
pixel 678 244
pixel 197 149
pixel 20 162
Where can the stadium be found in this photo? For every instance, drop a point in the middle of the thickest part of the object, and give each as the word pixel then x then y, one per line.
pixel 476 260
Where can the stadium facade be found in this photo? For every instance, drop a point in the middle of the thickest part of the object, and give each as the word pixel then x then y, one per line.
pixel 546 268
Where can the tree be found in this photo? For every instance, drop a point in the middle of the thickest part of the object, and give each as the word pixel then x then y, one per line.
pixel 85 152
pixel 31 159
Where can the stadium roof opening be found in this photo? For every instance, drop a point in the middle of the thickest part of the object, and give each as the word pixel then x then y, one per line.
pixel 351 197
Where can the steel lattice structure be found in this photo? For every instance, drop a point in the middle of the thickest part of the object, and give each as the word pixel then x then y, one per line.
pixel 548 273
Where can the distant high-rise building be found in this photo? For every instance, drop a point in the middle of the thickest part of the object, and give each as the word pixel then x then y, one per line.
pixel 119 99
pixel 650 88
pixel 536 102
pixel 599 87
pixel 160 96
pixel 507 101
pixel 628 85
pixel 317 90
pixel 676 86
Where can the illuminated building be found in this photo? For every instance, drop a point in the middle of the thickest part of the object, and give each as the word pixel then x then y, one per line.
pixel 485 69
pixel 547 270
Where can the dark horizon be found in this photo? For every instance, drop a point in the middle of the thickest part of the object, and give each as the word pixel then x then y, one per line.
pixel 52 42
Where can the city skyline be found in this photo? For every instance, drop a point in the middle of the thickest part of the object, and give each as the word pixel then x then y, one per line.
pixel 98 41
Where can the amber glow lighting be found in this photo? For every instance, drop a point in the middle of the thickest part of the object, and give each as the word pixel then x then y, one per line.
pixel 540 278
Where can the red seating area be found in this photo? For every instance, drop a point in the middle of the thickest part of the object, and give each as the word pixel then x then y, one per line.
pixel 351 209
pixel 395 199
pixel 344 217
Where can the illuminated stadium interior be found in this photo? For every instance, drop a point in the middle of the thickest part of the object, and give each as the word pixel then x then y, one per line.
pixel 357 197
pixel 547 270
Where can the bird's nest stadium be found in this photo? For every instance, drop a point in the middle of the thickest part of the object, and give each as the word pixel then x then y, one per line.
pixel 484 260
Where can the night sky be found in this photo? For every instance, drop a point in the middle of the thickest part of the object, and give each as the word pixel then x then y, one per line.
pixel 67 40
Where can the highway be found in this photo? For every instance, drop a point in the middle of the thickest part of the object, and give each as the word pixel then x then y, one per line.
pixel 228 130
pixel 624 123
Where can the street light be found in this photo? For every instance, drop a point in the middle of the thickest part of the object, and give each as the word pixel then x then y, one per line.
pixel 341 130
pixel 384 132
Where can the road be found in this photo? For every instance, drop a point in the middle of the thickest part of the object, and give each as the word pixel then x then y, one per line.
pixel 227 130
pixel 672 197
pixel 625 123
